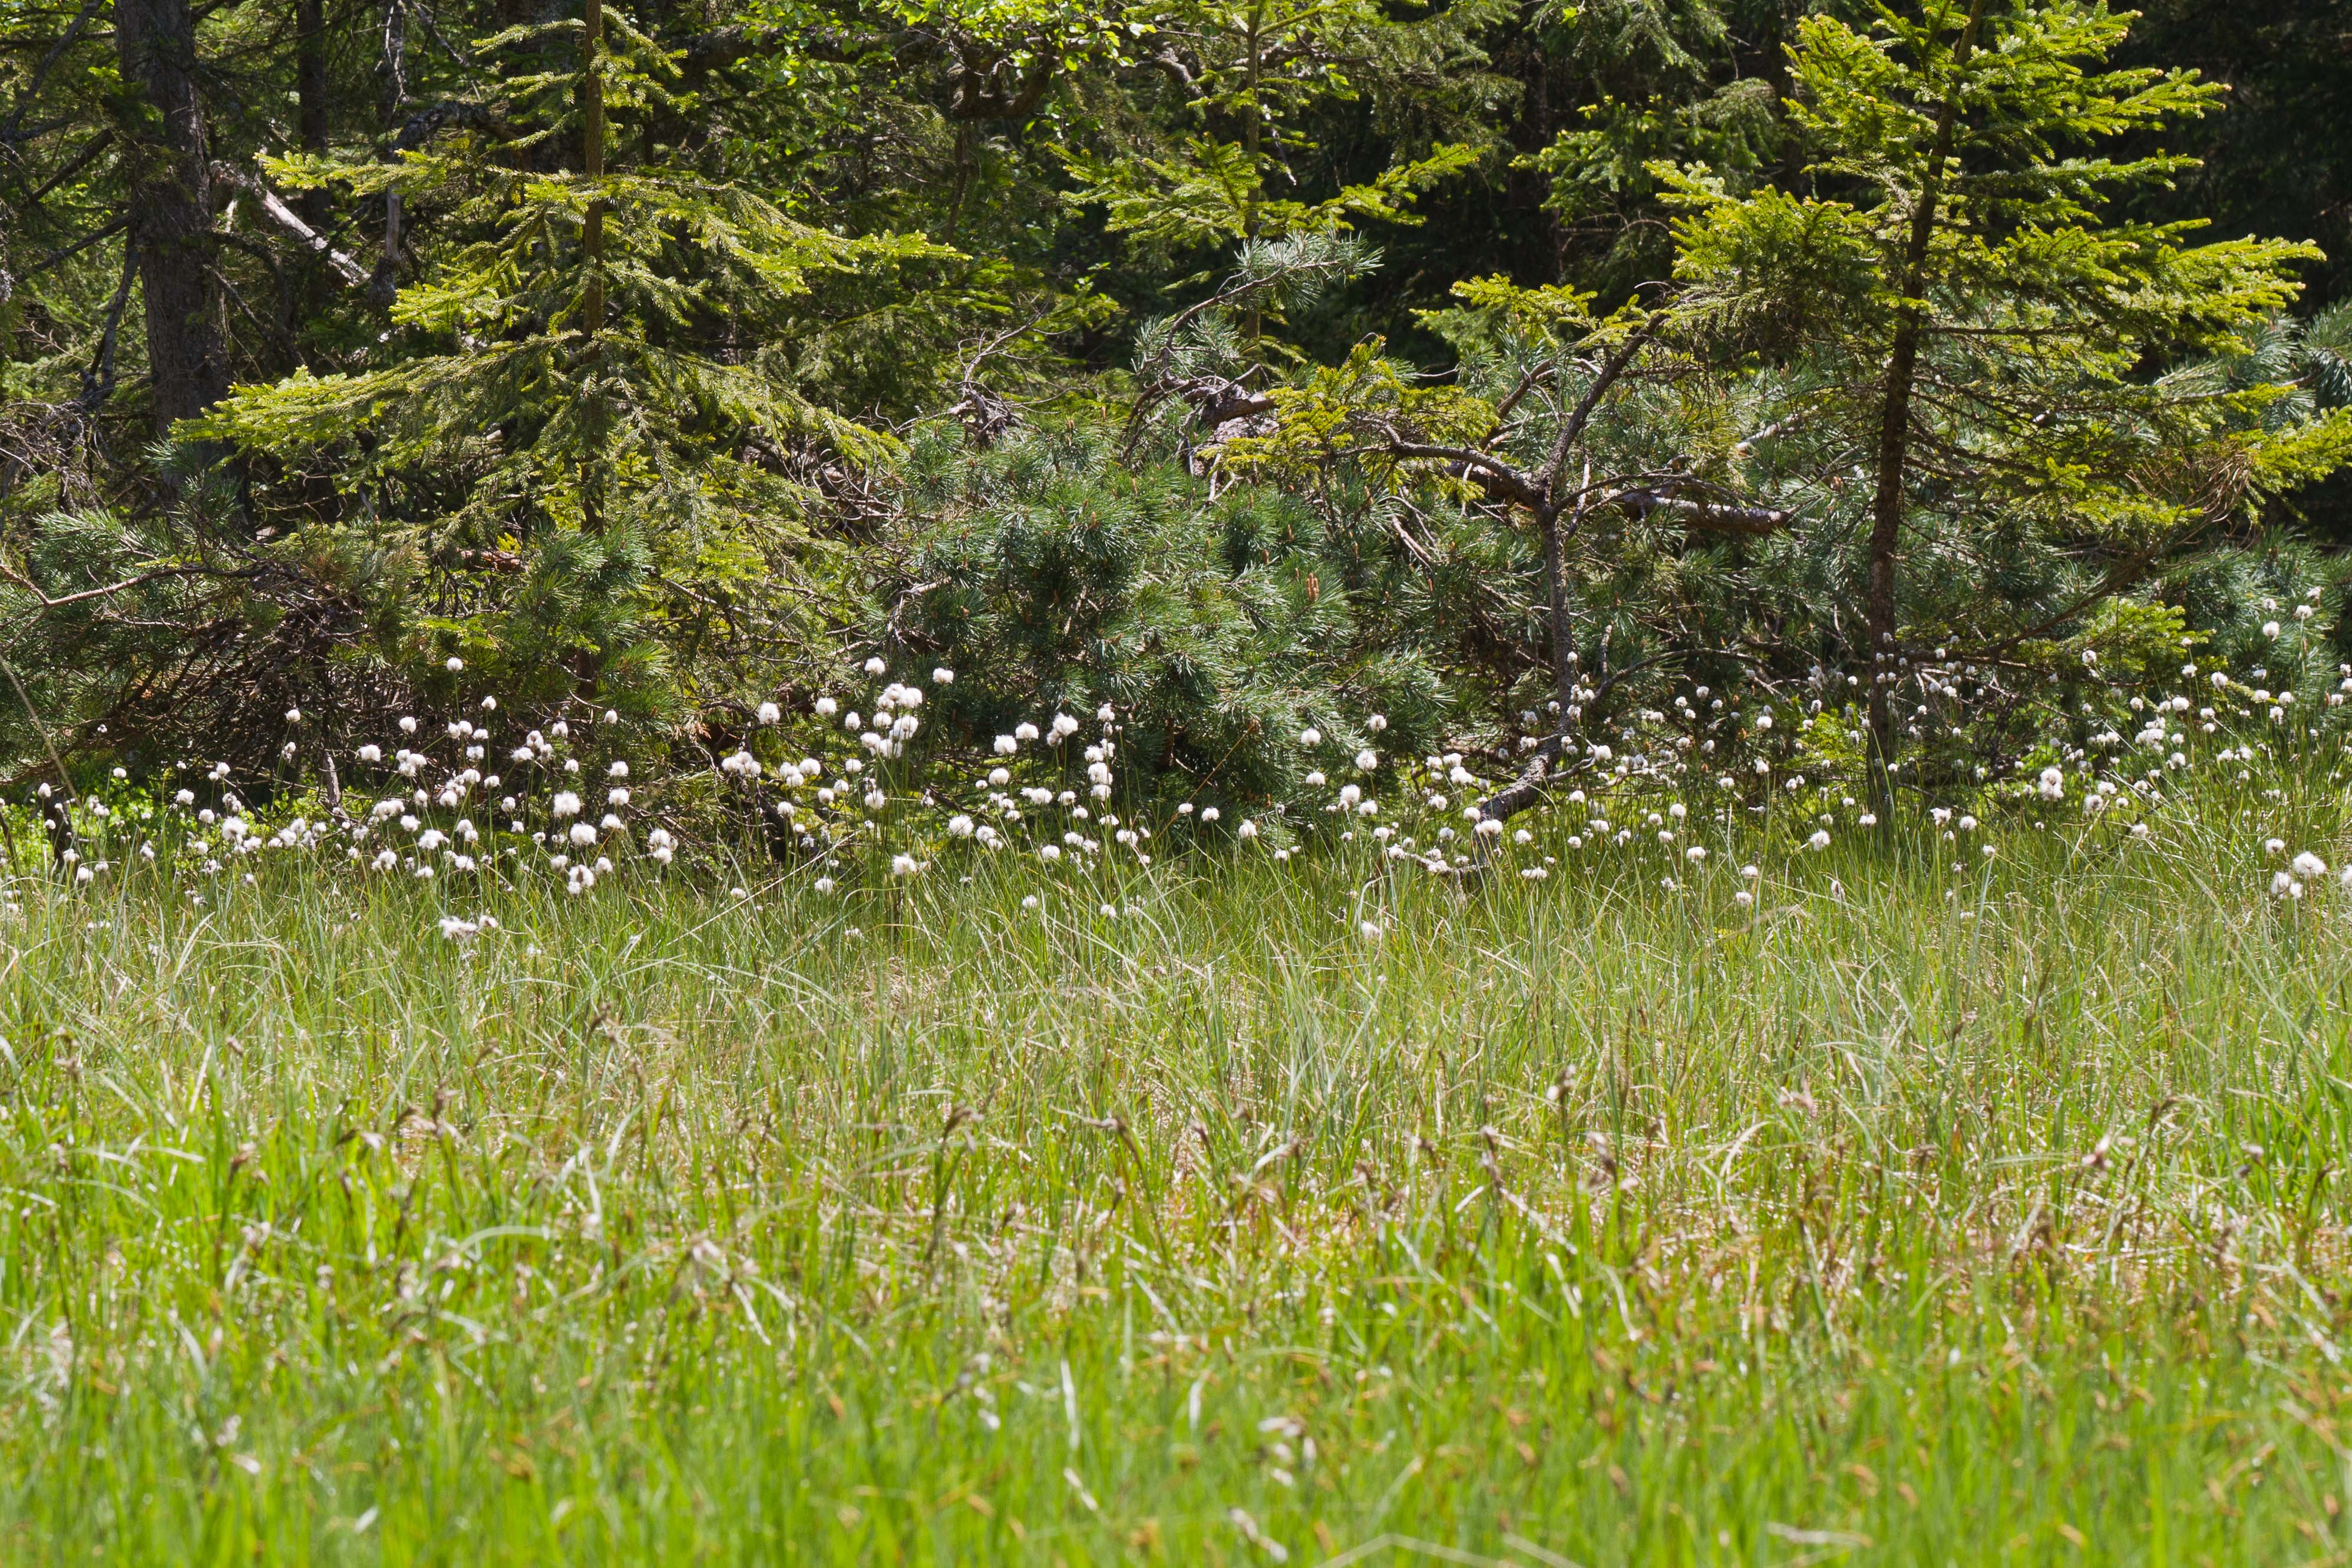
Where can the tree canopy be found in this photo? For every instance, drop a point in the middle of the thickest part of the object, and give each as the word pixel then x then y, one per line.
pixel 1198 355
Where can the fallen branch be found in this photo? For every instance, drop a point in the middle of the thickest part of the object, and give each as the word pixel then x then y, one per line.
pixel 1716 516
pixel 1528 788
pixel 286 218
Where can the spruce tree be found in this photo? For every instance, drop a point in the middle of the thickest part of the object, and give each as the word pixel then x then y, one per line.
pixel 596 408
pixel 1980 324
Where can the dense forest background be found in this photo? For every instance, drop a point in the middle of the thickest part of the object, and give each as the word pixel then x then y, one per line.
pixel 1241 363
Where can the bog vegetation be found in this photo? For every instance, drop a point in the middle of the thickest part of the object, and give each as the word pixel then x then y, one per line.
pixel 1230 782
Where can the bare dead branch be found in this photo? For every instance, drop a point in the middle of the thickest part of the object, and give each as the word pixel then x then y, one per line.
pixel 286 218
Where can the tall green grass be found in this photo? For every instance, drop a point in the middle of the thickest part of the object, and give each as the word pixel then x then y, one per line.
pixel 1987 1214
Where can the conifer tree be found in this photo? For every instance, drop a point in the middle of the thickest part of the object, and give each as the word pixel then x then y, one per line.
pixel 1981 323
pixel 597 404
pixel 1251 74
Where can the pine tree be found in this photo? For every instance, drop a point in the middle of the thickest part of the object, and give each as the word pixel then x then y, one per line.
pixel 1052 573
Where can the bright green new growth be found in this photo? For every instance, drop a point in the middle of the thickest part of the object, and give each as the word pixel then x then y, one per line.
pixel 1256 68
pixel 612 418
pixel 1980 325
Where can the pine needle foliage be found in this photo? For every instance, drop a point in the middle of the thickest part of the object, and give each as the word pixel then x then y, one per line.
pixel 1220 624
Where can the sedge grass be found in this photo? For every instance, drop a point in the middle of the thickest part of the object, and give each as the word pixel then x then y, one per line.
pixel 1936 1209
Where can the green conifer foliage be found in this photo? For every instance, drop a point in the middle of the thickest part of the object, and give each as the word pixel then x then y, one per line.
pixel 1978 326
pixel 595 397
pixel 1220 624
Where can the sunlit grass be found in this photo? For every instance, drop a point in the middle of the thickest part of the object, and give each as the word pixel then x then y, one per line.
pixel 1913 1213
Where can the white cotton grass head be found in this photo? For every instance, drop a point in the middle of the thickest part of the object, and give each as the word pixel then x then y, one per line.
pixel 1310 736
pixel 2309 866
pixel 874 666
pixel 942 676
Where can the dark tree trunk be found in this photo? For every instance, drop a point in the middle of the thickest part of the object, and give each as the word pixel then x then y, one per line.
pixel 394 68
pixel 1880 607
pixel 171 210
pixel 592 246
pixel 310 133
pixel 311 97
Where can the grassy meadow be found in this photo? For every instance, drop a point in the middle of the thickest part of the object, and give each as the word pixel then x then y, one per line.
pixel 1935 1208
